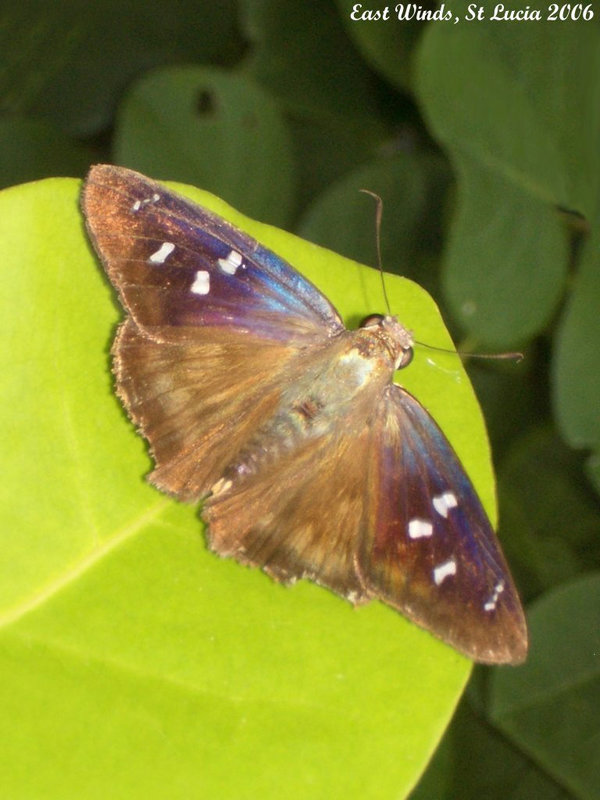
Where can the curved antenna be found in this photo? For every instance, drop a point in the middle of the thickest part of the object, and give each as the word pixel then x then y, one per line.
pixel 378 215
pixel 514 356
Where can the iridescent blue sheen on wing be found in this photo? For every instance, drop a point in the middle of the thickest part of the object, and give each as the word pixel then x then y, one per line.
pixel 431 551
pixel 168 242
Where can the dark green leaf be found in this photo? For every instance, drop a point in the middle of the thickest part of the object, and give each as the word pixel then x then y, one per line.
pixel 577 362
pixel 522 137
pixel 474 761
pixel 212 128
pixel 303 55
pixel 549 706
pixel 69 61
pixel 412 187
pixel 32 149
pixel 549 519
pixel 386 44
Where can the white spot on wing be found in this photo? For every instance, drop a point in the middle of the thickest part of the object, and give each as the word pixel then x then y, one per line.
pixel 490 605
pixel 222 485
pixel 231 263
pixel 145 202
pixel 443 571
pixel 417 528
pixel 444 502
pixel 201 284
pixel 163 252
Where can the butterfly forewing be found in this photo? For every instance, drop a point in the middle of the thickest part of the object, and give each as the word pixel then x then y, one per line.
pixel 430 550
pixel 177 265
pixel 252 393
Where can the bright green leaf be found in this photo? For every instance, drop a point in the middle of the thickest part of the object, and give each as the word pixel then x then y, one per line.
pixel 133 659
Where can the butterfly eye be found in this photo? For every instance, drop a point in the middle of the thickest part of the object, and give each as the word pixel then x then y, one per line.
pixel 405 357
pixel 371 321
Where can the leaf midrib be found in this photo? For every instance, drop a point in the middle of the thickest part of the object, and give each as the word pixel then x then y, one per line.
pixel 81 566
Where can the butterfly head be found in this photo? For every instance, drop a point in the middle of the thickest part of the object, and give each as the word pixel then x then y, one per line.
pixel 395 337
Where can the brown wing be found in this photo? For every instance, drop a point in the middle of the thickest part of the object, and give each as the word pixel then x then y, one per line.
pixel 215 321
pixel 179 267
pixel 429 548
pixel 197 406
pixel 301 516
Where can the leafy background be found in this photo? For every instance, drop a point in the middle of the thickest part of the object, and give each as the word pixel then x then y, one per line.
pixel 483 140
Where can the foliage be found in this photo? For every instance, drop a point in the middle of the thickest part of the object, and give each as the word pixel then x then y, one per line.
pixel 134 663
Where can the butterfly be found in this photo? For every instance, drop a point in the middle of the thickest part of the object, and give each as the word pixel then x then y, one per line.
pixel 310 460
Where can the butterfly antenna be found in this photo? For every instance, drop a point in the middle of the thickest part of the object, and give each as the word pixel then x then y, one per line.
pixel 493 356
pixel 464 354
pixel 378 215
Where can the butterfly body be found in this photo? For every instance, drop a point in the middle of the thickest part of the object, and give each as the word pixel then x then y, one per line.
pixel 336 386
pixel 310 460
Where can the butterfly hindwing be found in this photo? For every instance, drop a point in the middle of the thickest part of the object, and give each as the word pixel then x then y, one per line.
pixel 430 550
pixel 197 405
pixel 301 517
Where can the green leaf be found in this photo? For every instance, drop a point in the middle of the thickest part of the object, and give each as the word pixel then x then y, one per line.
pixel 541 493
pixel 413 189
pixel 576 368
pixel 507 255
pixel 131 657
pixel 32 149
pixel 68 62
pixel 593 471
pixel 507 394
pixel 214 128
pixel 331 146
pixel 474 761
pixel 386 44
pixel 549 706
pixel 301 52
